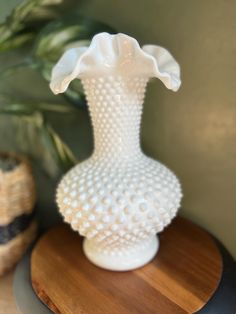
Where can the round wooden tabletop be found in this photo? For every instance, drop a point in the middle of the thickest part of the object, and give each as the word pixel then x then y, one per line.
pixel 181 279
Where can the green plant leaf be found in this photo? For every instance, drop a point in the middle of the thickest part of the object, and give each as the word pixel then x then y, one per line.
pixel 25 64
pixel 61 152
pixel 16 41
pixel 52 143
pixel 17 108
pixel 24 21
pixel 15 21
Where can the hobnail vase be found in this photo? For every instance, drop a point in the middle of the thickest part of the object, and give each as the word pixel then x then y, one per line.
pixel 118 199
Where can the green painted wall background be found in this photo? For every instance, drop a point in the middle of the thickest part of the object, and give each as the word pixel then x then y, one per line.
pixel 192 131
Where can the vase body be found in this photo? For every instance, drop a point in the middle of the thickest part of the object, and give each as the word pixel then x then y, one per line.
pixel 118 199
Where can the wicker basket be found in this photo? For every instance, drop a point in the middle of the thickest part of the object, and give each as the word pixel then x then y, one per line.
pixel 17 201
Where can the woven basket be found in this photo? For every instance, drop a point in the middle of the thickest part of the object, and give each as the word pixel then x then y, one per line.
pixel 17 201
pixel 17 190
pixel 12 251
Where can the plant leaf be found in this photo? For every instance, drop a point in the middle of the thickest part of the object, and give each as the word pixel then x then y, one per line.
pixel 52 142
pixel 16 30
pixel 25 64
pixel 62 154
pixel 17 108
pixel 16 41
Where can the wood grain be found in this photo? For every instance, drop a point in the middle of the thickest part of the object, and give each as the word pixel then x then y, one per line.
pixel 181 279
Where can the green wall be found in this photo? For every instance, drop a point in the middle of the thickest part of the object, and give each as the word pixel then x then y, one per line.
pixel 192 131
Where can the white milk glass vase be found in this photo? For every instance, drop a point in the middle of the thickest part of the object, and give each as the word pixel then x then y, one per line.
pixel 118 199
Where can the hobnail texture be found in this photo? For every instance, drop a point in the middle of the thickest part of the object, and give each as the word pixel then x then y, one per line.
pixel 118 199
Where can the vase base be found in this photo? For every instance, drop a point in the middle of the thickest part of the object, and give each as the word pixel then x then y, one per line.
pixel 122 262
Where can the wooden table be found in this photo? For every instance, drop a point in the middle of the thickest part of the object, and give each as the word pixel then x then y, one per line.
pixel 7 302
pixel 181 279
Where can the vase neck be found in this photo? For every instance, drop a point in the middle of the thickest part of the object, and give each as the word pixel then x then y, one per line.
pixel 115 105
